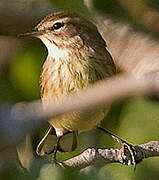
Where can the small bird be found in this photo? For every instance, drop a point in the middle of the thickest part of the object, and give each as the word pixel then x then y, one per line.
pixel 77 57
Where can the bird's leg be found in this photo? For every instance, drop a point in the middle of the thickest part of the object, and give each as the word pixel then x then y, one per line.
pixel 54 153
pixel 57 147
pixel 129 150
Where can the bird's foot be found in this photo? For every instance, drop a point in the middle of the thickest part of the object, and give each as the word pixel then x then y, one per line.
pixel 54 160
pixel 129 152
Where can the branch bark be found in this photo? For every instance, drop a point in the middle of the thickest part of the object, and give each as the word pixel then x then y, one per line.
pixel 94 156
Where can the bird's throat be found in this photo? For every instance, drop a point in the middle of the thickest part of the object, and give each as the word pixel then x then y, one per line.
pixel 54 51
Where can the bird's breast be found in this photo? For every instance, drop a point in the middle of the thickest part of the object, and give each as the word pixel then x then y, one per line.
pixel 61 78
pixel 68 76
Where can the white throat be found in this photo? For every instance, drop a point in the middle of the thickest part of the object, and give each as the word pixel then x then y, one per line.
pixel 53 50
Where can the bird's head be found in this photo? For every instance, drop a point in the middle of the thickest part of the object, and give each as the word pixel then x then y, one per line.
pixel 67 31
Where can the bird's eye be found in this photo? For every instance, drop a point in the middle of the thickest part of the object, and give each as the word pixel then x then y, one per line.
pixel 58 25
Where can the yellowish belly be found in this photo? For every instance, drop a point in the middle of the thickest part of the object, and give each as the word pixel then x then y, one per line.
pixel 79 120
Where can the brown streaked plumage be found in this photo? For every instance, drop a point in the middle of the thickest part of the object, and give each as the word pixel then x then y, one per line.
pixel 77 57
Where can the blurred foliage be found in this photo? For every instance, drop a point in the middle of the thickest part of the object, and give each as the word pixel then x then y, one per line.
pixel 136 120
pixel 112 8
pixel 76 6
pixel 25 70
pixel 153 3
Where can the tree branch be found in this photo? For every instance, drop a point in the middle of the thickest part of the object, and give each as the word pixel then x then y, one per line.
pixel 94 156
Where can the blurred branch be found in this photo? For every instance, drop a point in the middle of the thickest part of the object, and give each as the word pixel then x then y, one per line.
pixel 20 16
pixel 94 156
pixel 10 47
pixel 17 120
pixel 134 52
pixel 88 4
pixel 143 14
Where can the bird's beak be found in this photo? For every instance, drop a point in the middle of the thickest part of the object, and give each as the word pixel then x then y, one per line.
pixel 31 34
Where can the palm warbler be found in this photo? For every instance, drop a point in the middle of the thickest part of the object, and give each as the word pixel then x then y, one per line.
pixel 77 57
